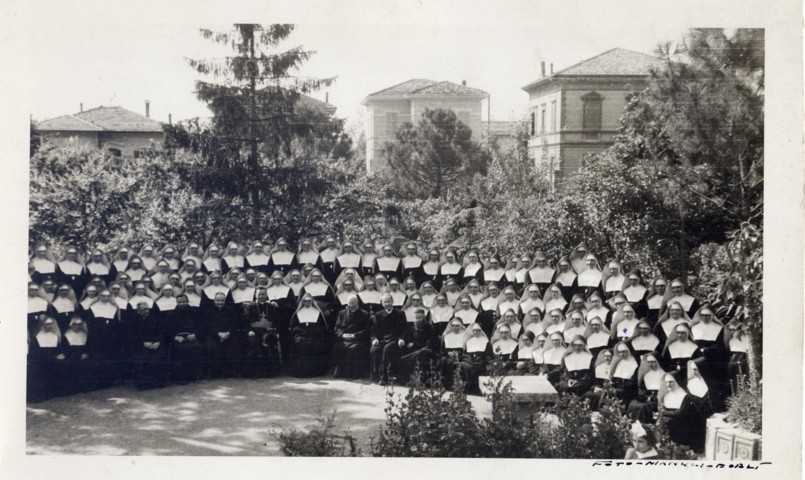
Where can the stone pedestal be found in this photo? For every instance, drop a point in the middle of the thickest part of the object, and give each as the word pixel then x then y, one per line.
pixel 724 442
pixel 531 392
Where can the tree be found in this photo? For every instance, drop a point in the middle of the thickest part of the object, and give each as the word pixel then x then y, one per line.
pixel 434 155
pixel 254 119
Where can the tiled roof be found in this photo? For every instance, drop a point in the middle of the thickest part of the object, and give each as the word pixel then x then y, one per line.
pixel 422 86
pixel 615 62
pixel 111 119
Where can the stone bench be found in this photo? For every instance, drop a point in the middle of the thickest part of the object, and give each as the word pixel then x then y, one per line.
pixel 531 392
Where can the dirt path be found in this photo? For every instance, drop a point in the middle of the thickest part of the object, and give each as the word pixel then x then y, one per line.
pixel 218 417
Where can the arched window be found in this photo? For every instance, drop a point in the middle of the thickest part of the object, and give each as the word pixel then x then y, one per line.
pixel 592 114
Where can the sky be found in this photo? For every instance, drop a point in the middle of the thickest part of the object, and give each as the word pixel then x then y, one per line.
pixel 118 62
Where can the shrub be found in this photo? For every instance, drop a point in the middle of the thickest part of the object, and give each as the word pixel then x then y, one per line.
pixel 745 406
pixel 320 441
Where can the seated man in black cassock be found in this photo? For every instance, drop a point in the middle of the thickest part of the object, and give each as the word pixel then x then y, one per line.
pixel 351 347
pixel 188 335
pixel 419 344
pixel 387 329
pixel 224 347
pixel 149 348
pixel 261 341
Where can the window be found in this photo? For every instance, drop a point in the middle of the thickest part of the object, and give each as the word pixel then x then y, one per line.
pixel 542 119
pixel 114 152
pixel 553 115
pixel 533 123
pixel 592 114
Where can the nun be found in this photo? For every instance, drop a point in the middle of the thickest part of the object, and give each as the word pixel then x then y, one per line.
pixel 213 287
pixel 565 277
pixel 243 291
pixel 453 339
pixel 430 269
pixel 635 293
pixel 700 393
pixel 310 340
pixel 99 266
pixel 212 261
pixel 194 251
pixel 412 263
pixel 281 258
pixel 574 326
pixel 493 272
pixel 589 279
pixel 674 315
pixel 78 371
pixel 256 258
pixel 601 378
pixel 37 306
pixel 147 255
pixel 46 361
pixel 414 303
pixel 553 356
pixel 554 300
pixel 577 368
pixel 388 264
pixel 282 294
pixel 121 259
pixel 709 335
pixel 322 293
pixel 71 270
pixel 349 258
pixel 737 343
pixel 465 312
pixel 509 318
pixel 523 358
pixel 655 300
pixel 351 346
pixel 678 413
pixel 451 269
pixel 370 298
pixel 624 322
pixel 368 257
pixel 649 379
pixel 532 322
pixel 597 336
pixel 623 374
pixel 679 348
pixel 612 279
pixel 329 251
pixel 345 290
pixel 532 299
pixel 473 290
pixel 64 306
pixel 577 258
pixel 441 314
pixel 136 270
pixel 44 264
pixel 540 273
pixel 678 295
pixel 397 295
pixel 503 346
pixel 232 259
pixel 308 254
pixel 451 291
pixel 473 268
pixel 428 294
pixel 296 281
pixel 643 341
pixel 477 355
pixel 554 323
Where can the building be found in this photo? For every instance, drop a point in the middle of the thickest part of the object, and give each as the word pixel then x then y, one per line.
pixel 110 129
pixel 391 107
pixel 502 133
pixel 576 111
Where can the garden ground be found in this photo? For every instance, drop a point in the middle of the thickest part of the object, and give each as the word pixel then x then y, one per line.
pixel 214 417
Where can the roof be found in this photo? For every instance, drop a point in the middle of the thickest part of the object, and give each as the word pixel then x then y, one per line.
pixel 110 119
pixel 498 128
pixel 425 87
pixel 306 101
pixel 618 62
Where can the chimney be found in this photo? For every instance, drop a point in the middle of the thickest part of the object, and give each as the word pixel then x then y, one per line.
pixel 170 119
pixel 551 68
pixel 542 65
pixel 81 106
pixel 326 97
pixel 464 83
pixel 148 108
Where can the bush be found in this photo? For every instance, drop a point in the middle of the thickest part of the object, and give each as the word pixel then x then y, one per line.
pixel 320 441
pixel 745 406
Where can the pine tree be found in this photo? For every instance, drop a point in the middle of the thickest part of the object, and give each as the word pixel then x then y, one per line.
pixel 253 101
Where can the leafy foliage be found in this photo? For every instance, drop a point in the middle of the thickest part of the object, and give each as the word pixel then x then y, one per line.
pixel 434 155
pixel 320 441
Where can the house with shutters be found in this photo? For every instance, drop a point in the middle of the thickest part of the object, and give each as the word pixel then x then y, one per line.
pixel 389 108
pixel 576 111
pixel 114 130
